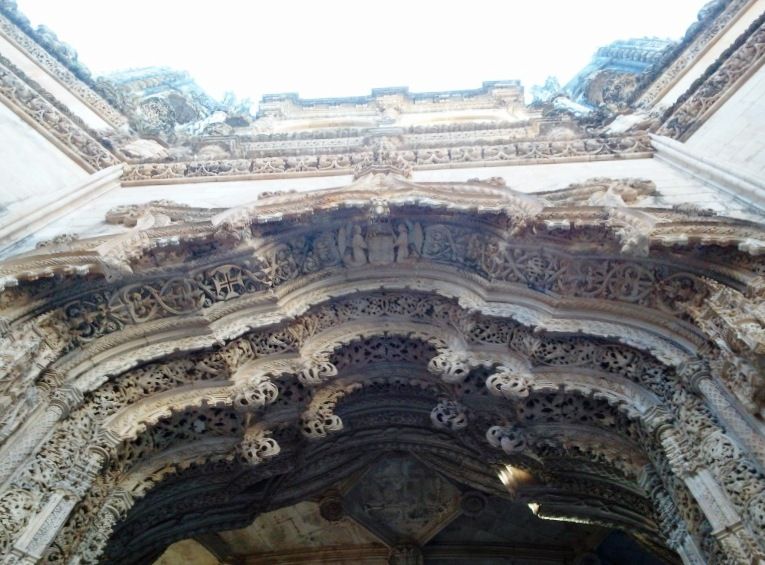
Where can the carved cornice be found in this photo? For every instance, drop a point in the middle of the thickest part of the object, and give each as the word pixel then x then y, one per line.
pixel 717 19
pixel 37 107
pixel 330 162
pixel 721 80
pixel 23 37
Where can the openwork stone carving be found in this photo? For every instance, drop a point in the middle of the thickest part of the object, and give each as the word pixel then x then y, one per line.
pixel 316 370
pixel 319 421
pixel 756 510
pixel 693 109
pixel 257 446
pixel 36 105
pixel 511 439
pixel 257 392
pixel 449 415
pixel 512 382
pixel 452 367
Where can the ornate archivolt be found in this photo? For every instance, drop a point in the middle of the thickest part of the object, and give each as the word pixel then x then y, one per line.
pixel 513 329
pixel 191 423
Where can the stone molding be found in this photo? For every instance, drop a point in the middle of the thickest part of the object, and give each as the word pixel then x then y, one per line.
pixel 34 50
pixel 542 446
pixel 490 239
pixel 281 166
pixel 748 189
pixel 635 232
pixel 38 108
pixel 58 59
pixel 24 222
pixel 719 82
pixel 688 53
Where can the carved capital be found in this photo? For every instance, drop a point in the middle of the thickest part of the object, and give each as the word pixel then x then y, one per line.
pixel 693 370
pixel 65 399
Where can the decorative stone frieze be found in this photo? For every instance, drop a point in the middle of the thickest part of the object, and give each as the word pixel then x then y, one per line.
pixel 744 57
pixel 714 19
pixel 29 100
pixel 529 151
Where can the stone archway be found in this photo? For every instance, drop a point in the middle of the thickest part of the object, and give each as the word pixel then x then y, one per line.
pixel 253 343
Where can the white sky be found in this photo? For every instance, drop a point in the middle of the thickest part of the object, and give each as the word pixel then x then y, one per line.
pixel 328 48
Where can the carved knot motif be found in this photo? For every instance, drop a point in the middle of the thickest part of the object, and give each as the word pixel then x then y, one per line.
pixel 511 439
pixel 316 370
pixel 255 393
pixel 512 383
pixel 452 367
pixel 257 446
pixel 316 423
pixel 449 415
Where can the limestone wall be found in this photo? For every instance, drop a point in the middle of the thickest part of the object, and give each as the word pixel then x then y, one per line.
pixel 31 165
pixel 734 134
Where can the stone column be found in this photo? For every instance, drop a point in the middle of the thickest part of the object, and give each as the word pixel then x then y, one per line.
pixel 62 401
pixel 726 521
pixel 669 520
pixel 114 509
pixel 43 528
pixel 698 376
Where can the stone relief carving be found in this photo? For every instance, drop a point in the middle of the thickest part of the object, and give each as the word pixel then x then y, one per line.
pixel 401 161
pixel 693 108
pixel 449 415
pixel 34 102
pixel 257 446
pixel 694 434
pixel 508 438
pixel 713 19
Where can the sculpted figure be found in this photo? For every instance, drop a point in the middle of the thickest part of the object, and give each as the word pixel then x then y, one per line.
pixel 401 244
pixel 358 247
